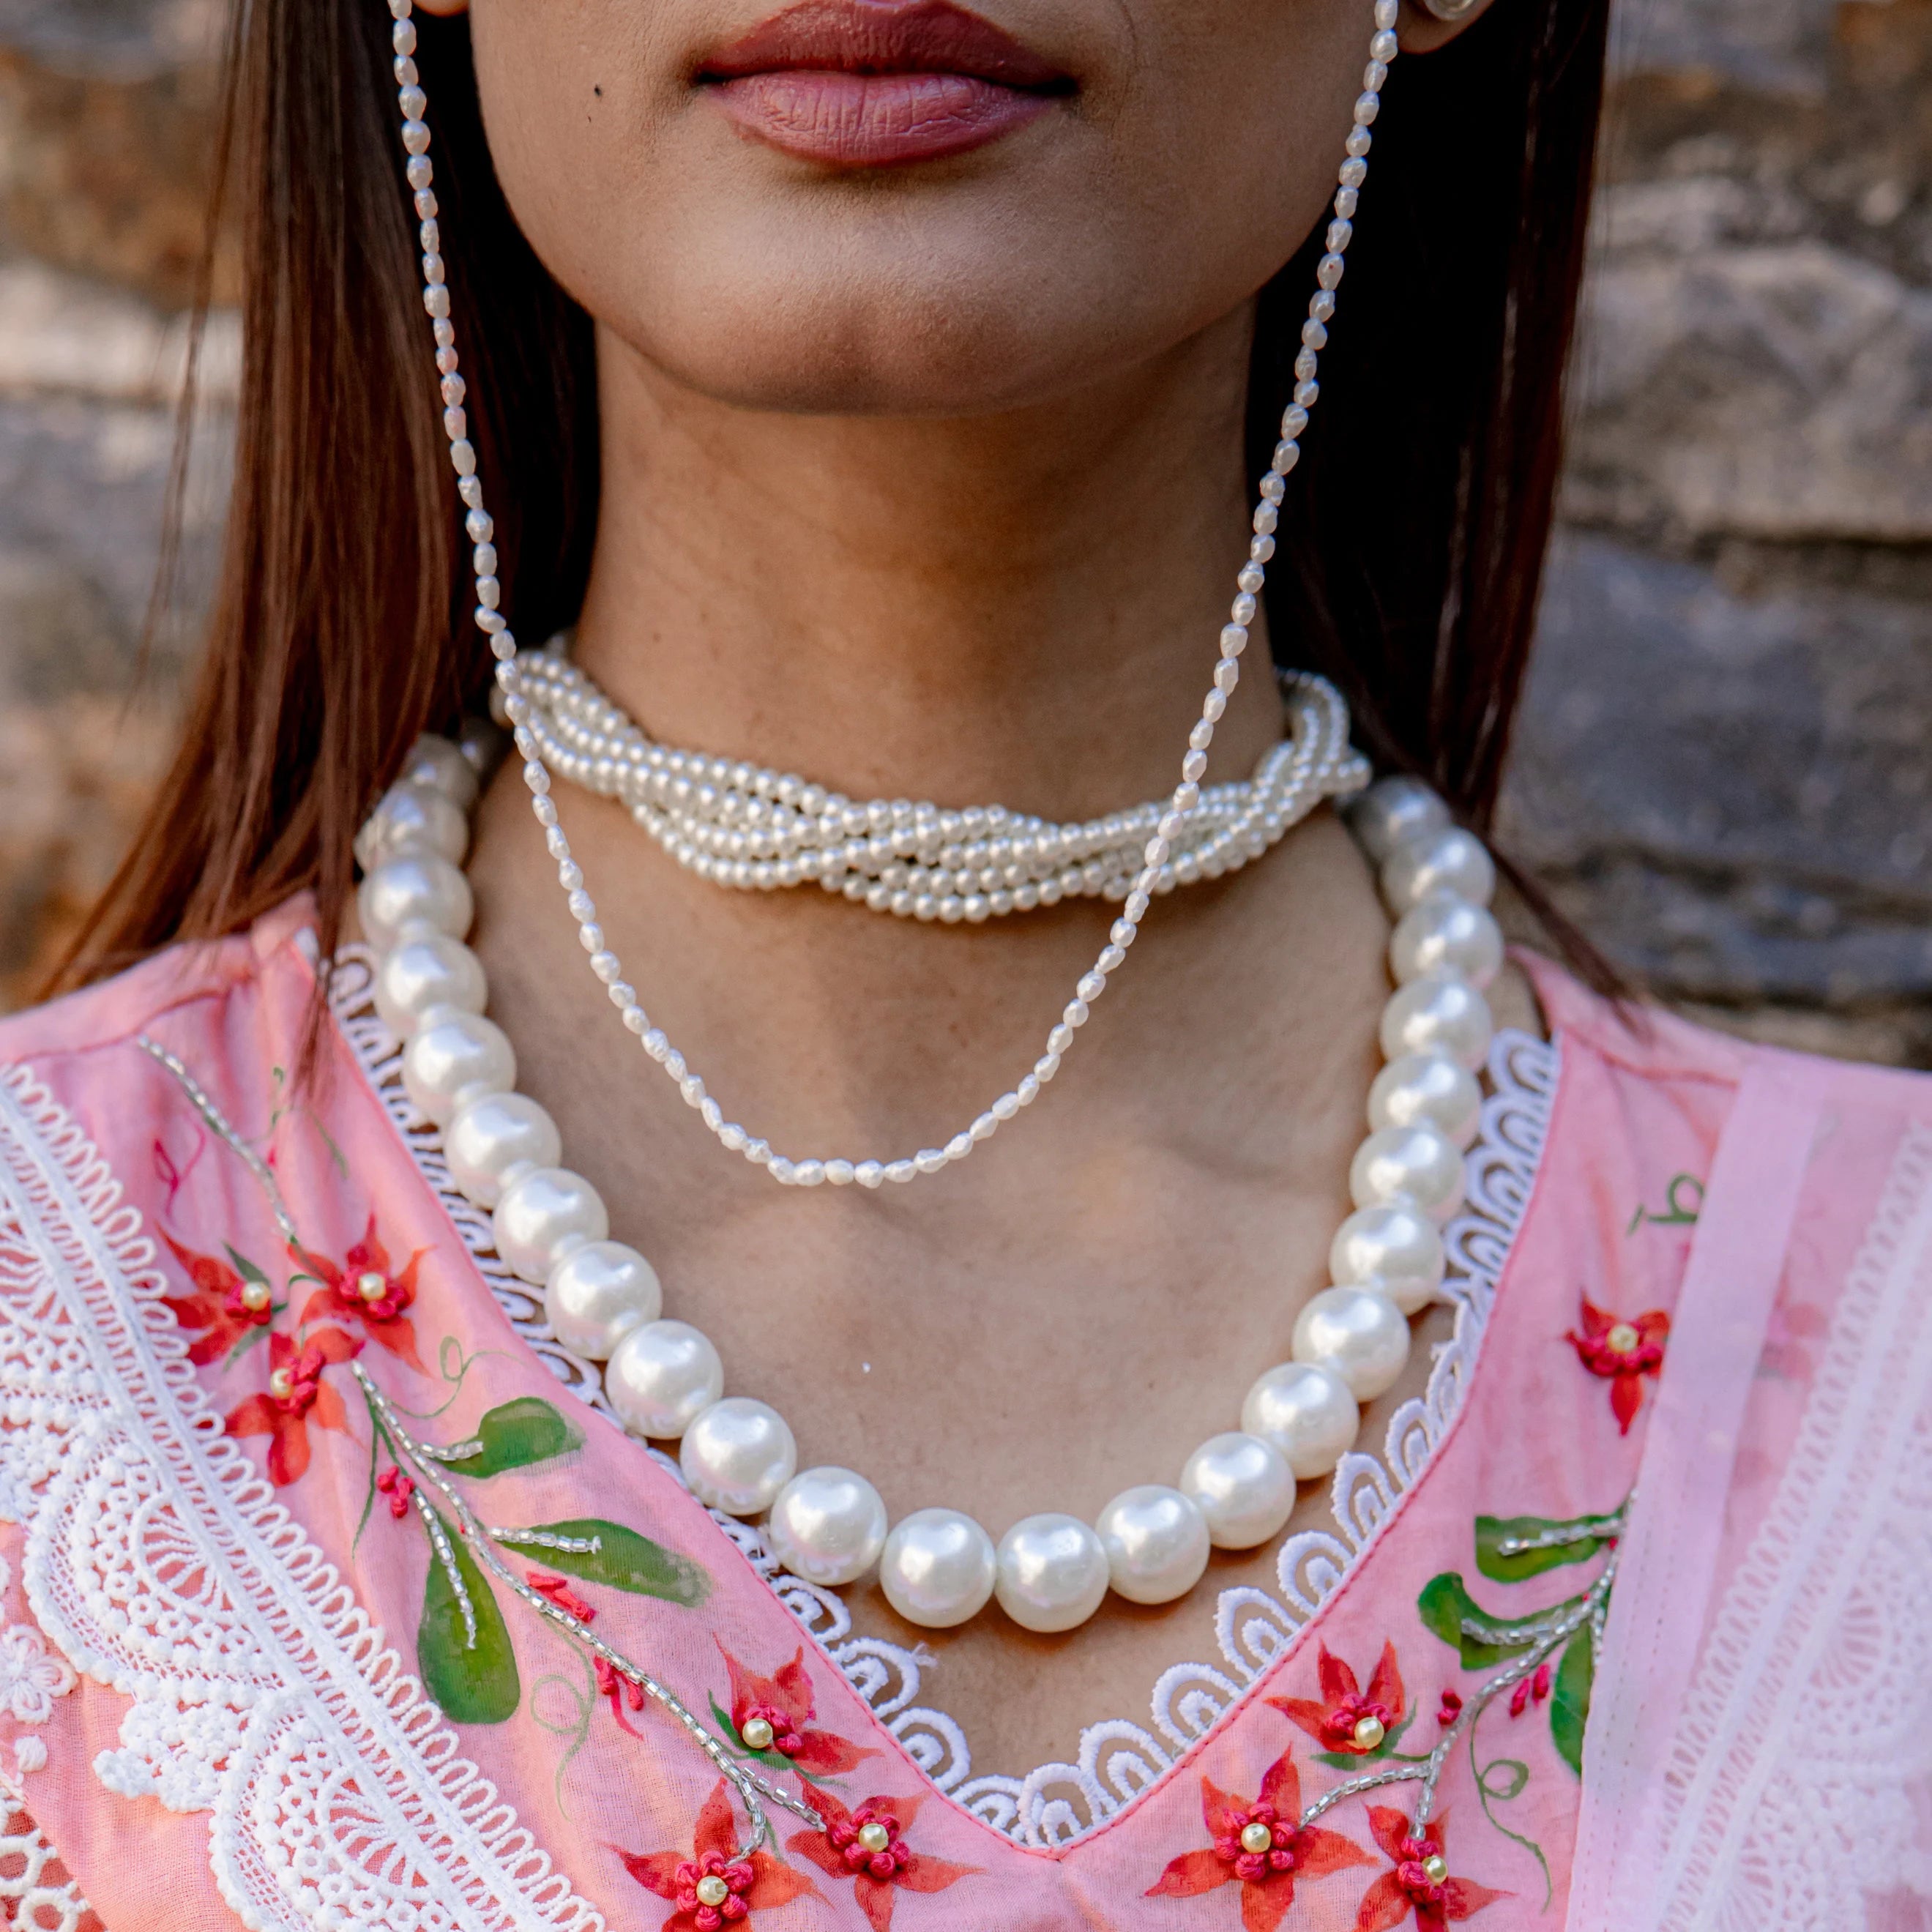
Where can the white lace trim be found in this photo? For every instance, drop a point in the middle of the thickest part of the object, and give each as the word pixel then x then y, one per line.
pixel 1800 1778
pixel 29 1897
pixel 162 1565
pixel 1119 1759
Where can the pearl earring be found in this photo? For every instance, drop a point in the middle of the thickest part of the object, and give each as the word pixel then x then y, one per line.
pixel 1449 11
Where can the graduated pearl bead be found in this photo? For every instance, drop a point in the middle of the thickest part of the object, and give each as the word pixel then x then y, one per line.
pixel 597 1295
pixel 1413 1164
pixel 1454 861
pixel 1444 934
pixel 661 1377
pixel 1427 1090
pixel 427 971
pixel 828 1526
pixel 1243 1486
pixel 737 1455
pixel 1307 1411
pixel 411 820
pixel 1394 811
pixel 440 765
pixel 1052 1572
pixel 454 1058
pixel 938 1568
pixel 1440 1012
pixel 419 888
pixel 1361 1336
pixel 543 1215
pixel 493 1134
pixel 1396 1247
pixel 1156 1543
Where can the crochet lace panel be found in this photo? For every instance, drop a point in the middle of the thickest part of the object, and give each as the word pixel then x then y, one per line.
pixel 1800 1777
pixel 160 1564
pixel 1118 1758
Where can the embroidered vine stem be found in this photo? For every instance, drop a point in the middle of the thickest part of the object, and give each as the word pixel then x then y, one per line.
pixel 1545 1640
pixel 754 1792
pixel 205 1106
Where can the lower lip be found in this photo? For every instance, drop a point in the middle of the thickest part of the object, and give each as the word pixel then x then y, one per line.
pixel 873 121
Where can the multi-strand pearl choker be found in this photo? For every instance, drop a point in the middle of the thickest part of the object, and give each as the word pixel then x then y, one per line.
pixel 761 830
pixel 663 1377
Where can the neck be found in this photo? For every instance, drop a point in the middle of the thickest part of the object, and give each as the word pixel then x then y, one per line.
pixel 1018 608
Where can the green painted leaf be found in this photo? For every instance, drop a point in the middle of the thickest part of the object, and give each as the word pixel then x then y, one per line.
pixel 1492 1530
pixel 1570 1700
pixel 625 1561
pixel 246 1340
pixel 517 1434
pixel 1445 1602
pixel 249 1271
pixel 471 1684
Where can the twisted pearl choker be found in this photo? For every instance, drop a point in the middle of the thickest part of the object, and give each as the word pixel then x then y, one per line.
pixel 761 830
pixel 665 1381
pixel 663 1378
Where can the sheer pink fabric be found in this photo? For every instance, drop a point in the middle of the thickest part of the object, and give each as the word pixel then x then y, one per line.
pixel 219 1601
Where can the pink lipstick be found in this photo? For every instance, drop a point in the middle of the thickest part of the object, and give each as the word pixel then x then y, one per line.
pixel 880 83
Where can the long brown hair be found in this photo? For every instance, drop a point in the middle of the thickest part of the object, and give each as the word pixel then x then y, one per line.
pixel 1415 528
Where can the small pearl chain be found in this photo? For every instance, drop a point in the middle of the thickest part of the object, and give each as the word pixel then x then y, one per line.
pixel 757 829
pixel 1159 850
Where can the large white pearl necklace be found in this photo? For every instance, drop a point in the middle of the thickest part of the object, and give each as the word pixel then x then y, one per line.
pixel 665 1379
pixel 761 830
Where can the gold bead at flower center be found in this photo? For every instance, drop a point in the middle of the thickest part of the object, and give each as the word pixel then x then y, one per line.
pixel 1437 1867
pixel 1257 1837
pixel 372 1286
pixel 712 1890
pixel 1369 1732
pixel 758 1734
pixel 255 1297
pixel 281 1384
pixel 875 1836
pixel 1622 1340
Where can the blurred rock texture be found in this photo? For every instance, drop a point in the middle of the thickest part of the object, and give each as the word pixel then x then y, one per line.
pixel 1725 767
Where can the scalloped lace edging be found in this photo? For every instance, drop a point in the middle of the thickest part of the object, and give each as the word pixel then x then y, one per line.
pixel 160 1564
pixel 1118 1759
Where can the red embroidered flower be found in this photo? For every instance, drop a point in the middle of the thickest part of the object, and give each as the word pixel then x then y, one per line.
pixel 558 1590
pixel 623 1693
pixel 225 1307
pixel 1420 1882
pixel 1262 1847
pixel 365 1286
pixel 774 1715
pixel 714 1887
pixel 1348 1719
pixel 1450 1710
pixel 398 1488
pixel 1537 1687
pixel 296 1394
pixel 865 1846
pixel 1623 1352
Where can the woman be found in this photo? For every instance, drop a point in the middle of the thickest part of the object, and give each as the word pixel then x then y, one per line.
pixel 865 387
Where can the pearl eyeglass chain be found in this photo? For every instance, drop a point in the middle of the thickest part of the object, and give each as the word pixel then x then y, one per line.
pixel 757 829
pixel 664 1379
pixel 408 814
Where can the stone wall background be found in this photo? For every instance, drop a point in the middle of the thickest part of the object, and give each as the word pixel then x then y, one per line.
pixel 1725 765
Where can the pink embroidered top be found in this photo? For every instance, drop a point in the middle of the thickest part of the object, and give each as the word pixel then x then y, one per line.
pixel 328 1588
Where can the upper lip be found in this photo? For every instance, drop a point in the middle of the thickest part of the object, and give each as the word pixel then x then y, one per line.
pixel 882 37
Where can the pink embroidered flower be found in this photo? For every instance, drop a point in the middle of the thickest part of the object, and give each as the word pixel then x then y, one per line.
pixel 866 1846
pixel 1347 1718
pixel 1262 1847
pixel 714 1887
pixel 224 1307
pixel 774 1715
pixel 1420 1882
pixel 365 1285
pixel 1622 1352
pixel 296 1393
